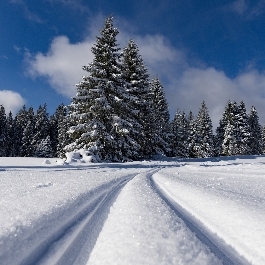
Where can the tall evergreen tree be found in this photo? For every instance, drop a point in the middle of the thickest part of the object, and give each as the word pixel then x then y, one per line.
pixel 97 111
pixel 242 130
pixel 255 139
pixel 161 115
pixel 205 144
pixel 44 148
pixel 21 120
pixel 3 132
pixel 179 129
pixel 41 125
pixel 54 120
pixel 136 78
pixel 191 131
pixel 63 127
pixel 27 148
pixel 227 117
pixel 10 135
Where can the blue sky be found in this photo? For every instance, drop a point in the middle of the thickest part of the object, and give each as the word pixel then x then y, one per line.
pixel 201 50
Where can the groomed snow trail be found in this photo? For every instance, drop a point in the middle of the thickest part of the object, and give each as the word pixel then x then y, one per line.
pixel 225 201
pixel 142 229
pixel 58 221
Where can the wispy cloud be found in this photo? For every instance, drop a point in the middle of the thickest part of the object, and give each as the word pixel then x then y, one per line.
pixel 12 101
pixel 186 84
pixel 247 10
pixel 27 13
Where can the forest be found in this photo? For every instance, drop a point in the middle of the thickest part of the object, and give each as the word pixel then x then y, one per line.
pixel 120 114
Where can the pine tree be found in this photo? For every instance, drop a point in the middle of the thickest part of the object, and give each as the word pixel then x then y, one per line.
pixel 136 78
pixel 263 139
pixel 21 120
pixel 161 126
pixel 220 130
pixel 63 127
pixel 179 129
pixel 99 108
pixel 242 130
pixel 44 148
pixel 255 139
pixel 54 120
pixel 229 142
pixel 11 151
pixel 3 132
pixel 27 149
pixel 191 134
pixel 41 125
pixel 202 136
pixel 204 130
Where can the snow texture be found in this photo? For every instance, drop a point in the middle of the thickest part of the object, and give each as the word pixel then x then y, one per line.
pixel 165 211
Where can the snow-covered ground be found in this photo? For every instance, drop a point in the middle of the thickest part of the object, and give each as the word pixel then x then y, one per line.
pixel 167 211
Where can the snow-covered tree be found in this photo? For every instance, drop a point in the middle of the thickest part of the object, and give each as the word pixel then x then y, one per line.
pixel 255 139
pixel 98 111
pixel 44 148
pixel 161 126
pixel 242 130
pixel 136 78
pixel 205 132
pixel 27 149
pixel 41 125
pixel 3 132
pixel 63 127
pixel 11 143
pixel 229 142
pixel 179 130
pixel 227 117
pixel 202 137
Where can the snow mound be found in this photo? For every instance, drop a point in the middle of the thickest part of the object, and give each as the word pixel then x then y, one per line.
pixel 80 156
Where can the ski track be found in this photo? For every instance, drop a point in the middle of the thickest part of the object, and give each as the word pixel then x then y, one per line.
pixel 218 247
pixel 66 234
pixel 77 235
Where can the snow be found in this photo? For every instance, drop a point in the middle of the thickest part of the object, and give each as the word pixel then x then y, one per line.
pixel 165 211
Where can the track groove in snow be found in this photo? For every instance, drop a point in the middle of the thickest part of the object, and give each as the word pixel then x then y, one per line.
pixel 72 231
pixel 217 246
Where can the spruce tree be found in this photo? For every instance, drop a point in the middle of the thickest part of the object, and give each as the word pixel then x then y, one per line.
pixel 220 130
pixel 255 139
pixel 136 78
pixel 161 127
pixel 98 111
pixel 44 148
pixel 229 141
pixel 3 132
pixel 242 130
pixel 10 135
pixel 191 134
pixel 63 127
pixel 54 120
pixel 179 130
pixel 41 125
pixel 21 120
pixel 205 133
pixel 27 148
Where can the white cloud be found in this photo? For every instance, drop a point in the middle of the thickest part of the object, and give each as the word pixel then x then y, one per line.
pixel 12 101
pixel 186 85
pixel 62 65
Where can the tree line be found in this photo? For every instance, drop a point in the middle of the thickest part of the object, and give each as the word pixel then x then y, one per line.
pixel 119 114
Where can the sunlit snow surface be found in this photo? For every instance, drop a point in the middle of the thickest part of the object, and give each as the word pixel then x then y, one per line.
pixel 111 213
